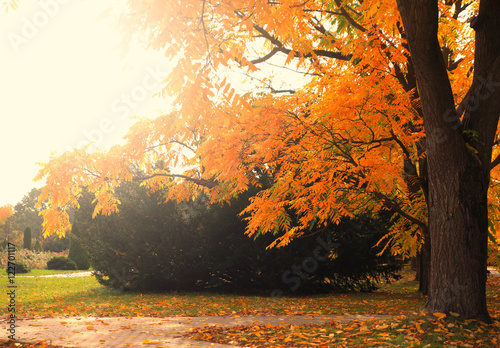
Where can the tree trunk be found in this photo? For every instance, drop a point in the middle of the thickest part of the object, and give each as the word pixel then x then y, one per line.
pixel 425 265
pixel 458 225
pixel 458 157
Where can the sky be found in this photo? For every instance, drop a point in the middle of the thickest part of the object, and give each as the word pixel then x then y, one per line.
pixel 64 83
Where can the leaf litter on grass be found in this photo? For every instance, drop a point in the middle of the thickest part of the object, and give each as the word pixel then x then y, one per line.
pixel 403 331
pixel 85 296
pixel 418 329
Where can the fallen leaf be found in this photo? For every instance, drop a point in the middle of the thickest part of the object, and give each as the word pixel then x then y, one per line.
pixel 439 315
pixel 150 342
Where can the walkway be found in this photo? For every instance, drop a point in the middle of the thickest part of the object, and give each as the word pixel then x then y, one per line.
pixel 91 332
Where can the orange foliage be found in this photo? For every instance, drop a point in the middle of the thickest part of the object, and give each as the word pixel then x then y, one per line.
pixel 333 148
pixel 6 211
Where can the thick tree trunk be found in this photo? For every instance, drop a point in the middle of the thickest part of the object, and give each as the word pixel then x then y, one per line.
pixel 458 164
pixel 458 225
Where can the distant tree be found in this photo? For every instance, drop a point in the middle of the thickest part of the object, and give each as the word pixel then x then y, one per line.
pixel 38 246
pixel 5 220
pixel 27 214
pixel 55 243
pixel 27 238
pixel 77 252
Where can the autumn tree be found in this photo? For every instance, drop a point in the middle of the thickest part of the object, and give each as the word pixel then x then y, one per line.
pixel 6 212
pixel 398 110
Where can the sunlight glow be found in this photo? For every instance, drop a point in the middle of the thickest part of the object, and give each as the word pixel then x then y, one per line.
pixel 65 84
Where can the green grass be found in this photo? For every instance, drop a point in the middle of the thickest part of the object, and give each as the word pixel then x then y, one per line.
pixel 85 296
pixel 45 296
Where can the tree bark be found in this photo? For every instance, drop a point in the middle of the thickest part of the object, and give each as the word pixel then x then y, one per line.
pixel 458 161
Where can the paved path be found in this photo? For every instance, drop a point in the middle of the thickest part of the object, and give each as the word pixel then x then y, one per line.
pixel 494 272
pixel 91 332
pixel 62 275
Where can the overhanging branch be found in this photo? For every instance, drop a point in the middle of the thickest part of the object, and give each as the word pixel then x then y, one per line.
pixel 202 182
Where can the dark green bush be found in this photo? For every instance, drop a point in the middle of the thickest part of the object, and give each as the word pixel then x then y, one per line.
pixel 192 246
pixel 61 263
pixel 147 246
pixel 21 268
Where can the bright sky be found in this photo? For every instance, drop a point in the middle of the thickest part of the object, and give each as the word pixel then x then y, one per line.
pixel 64 84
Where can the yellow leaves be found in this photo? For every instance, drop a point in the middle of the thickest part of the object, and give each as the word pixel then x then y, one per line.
pixel 438 315
pixel 10 5
pixel 419 329
pixel 331 149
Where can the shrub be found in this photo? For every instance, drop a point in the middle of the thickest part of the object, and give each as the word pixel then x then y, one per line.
pixel 147 246
pixel 33 260
pixel 61 263
pixel 20 268
pixel 77 253
pixel 27 238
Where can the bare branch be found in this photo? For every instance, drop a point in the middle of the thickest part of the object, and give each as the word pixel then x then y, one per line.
pixel 266 57
pixel 495 162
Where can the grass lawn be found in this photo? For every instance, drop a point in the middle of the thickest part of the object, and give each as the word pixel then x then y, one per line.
pixel 42 297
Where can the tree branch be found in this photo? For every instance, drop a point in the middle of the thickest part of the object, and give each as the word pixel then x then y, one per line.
pixel 266 57
pixel 202 182
pixel 495 162
pixel 389 203
pixel 279 47
pixel 349 18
